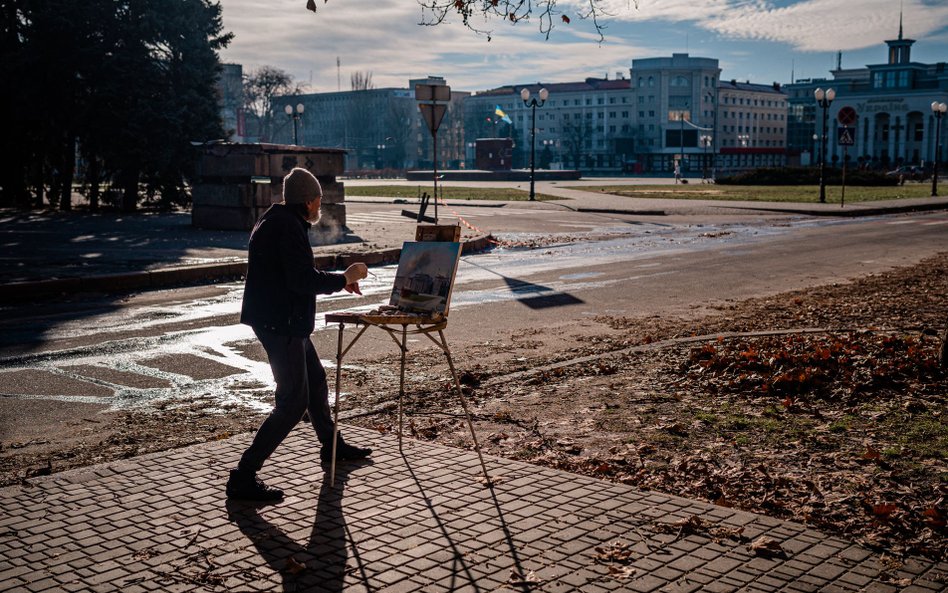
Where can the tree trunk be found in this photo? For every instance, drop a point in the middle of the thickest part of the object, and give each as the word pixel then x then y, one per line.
pixel 67 174
pixel 93 178
pixel 130 191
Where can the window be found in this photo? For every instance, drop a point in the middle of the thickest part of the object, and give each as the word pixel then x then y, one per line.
pixel 600 115
pixel 600 101
pixel 612 100
pixel 651 114
pixel 625 127
pixel 626 114
pixel 625 99
pixel 651 81
pixel 575 101
pixel 641 114
pixel 612 128
pixel 679 81
pixel 589 116
pixel 576 116
pixel 612 114
pixel 589 101
pixel 641 99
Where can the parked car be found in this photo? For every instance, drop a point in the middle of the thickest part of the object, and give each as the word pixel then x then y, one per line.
pixel 910 172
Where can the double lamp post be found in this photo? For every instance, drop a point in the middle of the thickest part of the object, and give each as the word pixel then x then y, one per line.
pixel 824 99
pixel 295 115
pixel 938 110
pixel 533 103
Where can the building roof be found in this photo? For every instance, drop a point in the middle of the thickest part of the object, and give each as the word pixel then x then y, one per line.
pixel 749 86
pixel 590 84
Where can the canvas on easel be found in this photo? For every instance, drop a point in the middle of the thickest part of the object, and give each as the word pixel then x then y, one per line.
pixel 421 295
pixel 424 279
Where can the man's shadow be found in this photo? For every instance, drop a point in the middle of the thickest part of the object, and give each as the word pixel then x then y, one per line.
pixel 321 564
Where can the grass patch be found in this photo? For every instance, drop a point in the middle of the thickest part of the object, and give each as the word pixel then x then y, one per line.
pixel 807 194
pixel 447 192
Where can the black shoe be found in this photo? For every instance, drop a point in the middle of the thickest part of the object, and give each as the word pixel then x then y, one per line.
pixel 344 452
pixel 245 486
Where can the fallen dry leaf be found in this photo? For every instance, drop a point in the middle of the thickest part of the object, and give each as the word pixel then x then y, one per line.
pixel 528 580
pixel 617 551
pixel 767 547
pixel 621 572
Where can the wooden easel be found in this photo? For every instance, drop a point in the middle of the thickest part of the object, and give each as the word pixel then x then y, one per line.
pixel 425 325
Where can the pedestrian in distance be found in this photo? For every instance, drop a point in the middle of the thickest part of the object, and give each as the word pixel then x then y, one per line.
pixel 279 304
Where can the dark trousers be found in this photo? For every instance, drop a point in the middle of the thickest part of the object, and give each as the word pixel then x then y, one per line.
pixel 300 387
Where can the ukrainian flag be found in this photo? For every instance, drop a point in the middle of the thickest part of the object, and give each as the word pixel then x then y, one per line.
pixel 500 113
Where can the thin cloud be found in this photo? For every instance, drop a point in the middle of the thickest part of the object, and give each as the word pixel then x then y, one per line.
pixel 809 25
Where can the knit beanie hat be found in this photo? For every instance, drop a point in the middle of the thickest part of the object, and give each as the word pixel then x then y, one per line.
pixel 300 186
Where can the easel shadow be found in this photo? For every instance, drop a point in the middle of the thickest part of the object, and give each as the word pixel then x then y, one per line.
pixel 545 298
pixel 321 564
pixel 458 564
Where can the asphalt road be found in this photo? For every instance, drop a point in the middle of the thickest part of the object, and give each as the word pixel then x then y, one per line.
pixel 92 353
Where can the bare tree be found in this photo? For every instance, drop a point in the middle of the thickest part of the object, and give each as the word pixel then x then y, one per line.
pixel 260 89
pixel 577 135
pixel 361 81
pixel 546 12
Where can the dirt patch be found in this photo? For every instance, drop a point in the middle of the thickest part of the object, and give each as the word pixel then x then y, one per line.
pixel 85 437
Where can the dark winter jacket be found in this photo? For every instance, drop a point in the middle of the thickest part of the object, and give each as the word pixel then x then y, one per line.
pixel 282 284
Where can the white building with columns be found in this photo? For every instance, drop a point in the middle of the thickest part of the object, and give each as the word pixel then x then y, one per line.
pixel 892 101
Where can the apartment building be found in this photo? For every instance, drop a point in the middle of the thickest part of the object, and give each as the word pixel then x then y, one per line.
pixel 752 125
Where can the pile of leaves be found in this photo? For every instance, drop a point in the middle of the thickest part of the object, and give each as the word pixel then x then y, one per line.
pixel 844 368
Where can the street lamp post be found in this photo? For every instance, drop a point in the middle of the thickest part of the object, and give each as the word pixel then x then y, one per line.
pixel 938 110
pixel 714 125
pixel 706 142
pixel 295 115
pixel 743 138
pixel 533 104
pixel 824 99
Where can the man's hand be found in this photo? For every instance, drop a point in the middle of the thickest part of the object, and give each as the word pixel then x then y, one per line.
pixel 354 273
pixel 353 288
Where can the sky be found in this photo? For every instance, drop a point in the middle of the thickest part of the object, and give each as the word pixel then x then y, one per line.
pixel 762 41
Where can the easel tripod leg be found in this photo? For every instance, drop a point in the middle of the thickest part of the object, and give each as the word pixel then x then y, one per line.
pixel 401 384
pixel 335 420
pixel 467 412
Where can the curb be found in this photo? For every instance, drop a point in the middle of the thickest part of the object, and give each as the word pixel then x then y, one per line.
pixel 621 211
pixel 414 202
pixel 856 211
pixel 193 275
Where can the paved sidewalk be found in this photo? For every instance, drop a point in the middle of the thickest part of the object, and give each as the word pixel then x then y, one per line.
pixel 403 523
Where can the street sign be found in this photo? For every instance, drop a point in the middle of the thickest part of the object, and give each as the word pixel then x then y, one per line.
pixel 433 102
pixel 846 136
pixel 432 114
pixel 847 116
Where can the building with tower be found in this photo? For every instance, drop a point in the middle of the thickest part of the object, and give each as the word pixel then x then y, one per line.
pixel 892 100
